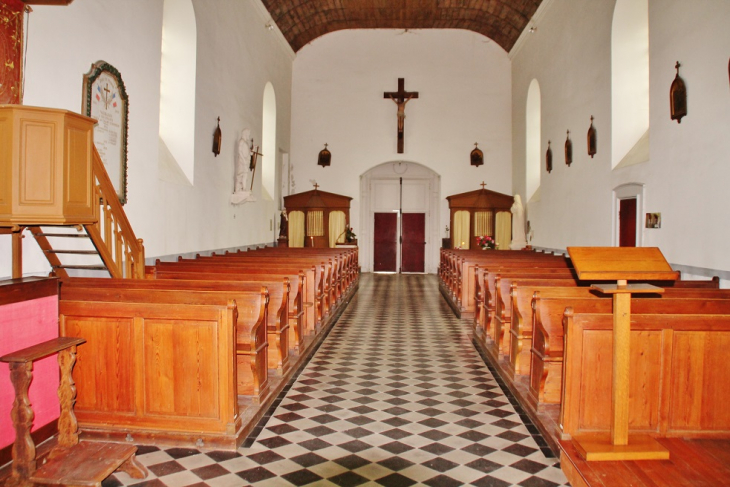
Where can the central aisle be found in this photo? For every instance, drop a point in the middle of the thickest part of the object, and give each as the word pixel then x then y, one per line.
pixel 396 396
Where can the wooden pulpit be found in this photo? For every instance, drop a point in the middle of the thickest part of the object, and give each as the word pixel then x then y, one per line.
pixel 621 264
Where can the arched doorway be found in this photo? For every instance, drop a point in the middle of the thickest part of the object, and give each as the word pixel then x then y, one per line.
pixel 399 218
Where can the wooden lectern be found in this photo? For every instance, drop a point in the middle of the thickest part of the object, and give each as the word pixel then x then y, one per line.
pixel 621 264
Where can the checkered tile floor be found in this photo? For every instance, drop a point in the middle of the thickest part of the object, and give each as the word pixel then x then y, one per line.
pixel 395 396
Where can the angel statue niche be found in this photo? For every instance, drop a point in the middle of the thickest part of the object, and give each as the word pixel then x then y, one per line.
pixel 243 160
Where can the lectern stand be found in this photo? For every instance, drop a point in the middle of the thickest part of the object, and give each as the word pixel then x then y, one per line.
pixel 621 264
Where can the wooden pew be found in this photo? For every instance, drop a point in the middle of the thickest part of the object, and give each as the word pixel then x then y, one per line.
pixel 548 307
pixel 493 297
pixel 251 327
pixel 315 284
pixel 151 372
pixel 679 363
pixel 330 277
pixel 275 283
pixel 485 289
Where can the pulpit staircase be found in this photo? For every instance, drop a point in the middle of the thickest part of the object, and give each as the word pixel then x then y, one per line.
pixel 70 206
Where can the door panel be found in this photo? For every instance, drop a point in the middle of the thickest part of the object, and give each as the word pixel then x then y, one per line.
pixel 385 234
pixel 627 223
pixel 413 250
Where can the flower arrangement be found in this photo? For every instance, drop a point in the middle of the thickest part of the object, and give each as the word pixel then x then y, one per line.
pixel 486 242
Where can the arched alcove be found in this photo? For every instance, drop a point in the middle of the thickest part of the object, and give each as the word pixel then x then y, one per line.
pixel 630 82
pixel 268 143
pixel 177 90
pixel 390 186
pixel 533 127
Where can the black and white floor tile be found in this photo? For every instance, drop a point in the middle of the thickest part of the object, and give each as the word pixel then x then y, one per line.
pixel 395 396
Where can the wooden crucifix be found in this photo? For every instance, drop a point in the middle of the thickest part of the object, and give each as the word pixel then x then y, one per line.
pixel 400 98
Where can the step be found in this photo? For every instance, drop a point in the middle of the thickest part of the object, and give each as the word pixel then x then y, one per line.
pixel 67 235
pixel 84 267
pixel 76 252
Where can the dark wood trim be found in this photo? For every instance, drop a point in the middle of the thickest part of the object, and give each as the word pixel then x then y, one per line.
pixel 27 288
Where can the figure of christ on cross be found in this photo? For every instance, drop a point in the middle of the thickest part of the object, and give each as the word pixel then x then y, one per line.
pixel 400 98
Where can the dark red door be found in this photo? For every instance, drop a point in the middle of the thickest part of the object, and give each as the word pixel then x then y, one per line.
pixel 413 250
pixel 627 223
pixel 385 242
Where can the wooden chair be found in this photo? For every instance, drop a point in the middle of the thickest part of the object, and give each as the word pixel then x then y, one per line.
pixel 70 462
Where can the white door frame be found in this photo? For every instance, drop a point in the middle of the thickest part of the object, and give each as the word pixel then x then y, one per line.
pixel 412 173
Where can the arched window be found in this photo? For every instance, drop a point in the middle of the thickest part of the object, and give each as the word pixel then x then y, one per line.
pixel 533 129
pixel 268 143
pixel 177 86
pixel 630 83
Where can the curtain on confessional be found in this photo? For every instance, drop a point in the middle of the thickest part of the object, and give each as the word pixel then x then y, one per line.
pixel 337 228
pixel 483 224
pixel 461 230
pixel 504 230
pixel 296 229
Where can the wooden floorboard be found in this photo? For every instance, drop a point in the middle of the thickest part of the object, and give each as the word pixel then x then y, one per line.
pixel 692 463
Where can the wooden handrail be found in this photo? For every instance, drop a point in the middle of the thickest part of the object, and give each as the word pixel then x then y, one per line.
pixel 120 249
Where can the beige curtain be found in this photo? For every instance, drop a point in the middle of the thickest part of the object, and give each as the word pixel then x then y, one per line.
pixel 337 227
pixel 296 229
pixel 461 230
pixel 483 224
pixel 315 223
pixel 504 230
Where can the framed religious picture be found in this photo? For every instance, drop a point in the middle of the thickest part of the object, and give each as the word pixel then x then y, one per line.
pixel 105 99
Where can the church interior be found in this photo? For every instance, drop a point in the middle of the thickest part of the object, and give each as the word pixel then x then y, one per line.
pixel 236 126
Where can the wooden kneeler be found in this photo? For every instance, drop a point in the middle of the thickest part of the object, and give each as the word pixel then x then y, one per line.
pixel 70 462
pixel 621 264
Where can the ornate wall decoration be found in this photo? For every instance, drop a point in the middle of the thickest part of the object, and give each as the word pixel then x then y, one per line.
pixel 678 97
pixel 549 159
pixel 476 156
pixel 11 49
pixel 105 99
pixel 591 139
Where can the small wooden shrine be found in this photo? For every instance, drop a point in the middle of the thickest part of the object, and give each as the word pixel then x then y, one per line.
pixel 317 218
pixel 480 213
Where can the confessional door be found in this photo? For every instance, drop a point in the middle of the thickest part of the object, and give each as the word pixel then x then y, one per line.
pixel 413 248
pixel 385 242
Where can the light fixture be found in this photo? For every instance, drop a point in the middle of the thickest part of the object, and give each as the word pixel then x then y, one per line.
pixel 325 157
pixel 477 156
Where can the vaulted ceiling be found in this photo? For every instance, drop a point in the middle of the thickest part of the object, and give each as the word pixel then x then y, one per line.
pixel 302 21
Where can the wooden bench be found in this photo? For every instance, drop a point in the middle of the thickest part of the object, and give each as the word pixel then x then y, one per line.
pixel 485 290
pixel 315 284
pixel 156 373
pixel 252 302
pixel 679 362
pixel 503 305
pixel 549 305
pixel 70 462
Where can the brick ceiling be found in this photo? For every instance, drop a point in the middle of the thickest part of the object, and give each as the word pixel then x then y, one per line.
pixel 302 21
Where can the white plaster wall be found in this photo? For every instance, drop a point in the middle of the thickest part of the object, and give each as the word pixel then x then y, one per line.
pixel 236 56
pixel 463 80
pixel 686 177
